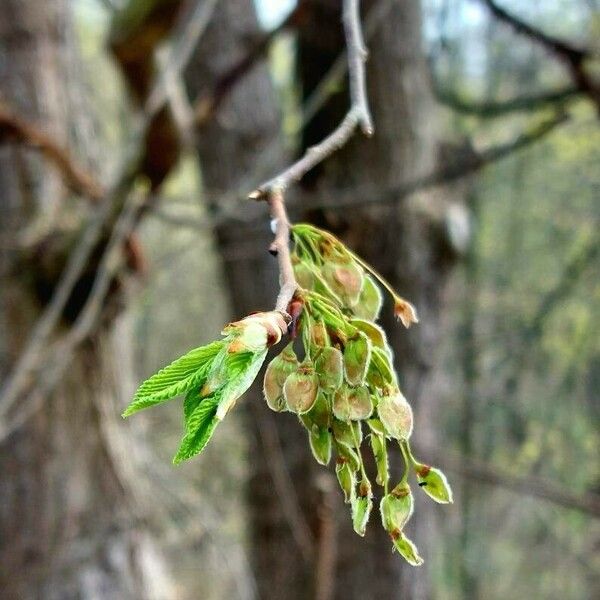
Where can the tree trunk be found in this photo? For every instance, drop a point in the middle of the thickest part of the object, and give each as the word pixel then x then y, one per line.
pixel 66 526
pixel 302 540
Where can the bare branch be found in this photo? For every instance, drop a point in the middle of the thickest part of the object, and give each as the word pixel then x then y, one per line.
pixel 14 128
pixel 358 114
pixel 572 56
pixel 357 56
pixel 280 248
pixel 567 51
pixel 525 103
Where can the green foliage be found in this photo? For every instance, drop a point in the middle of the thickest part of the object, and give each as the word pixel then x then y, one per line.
pixel 181 376
pixel 344 380
pixel 200 424
pixel 213 377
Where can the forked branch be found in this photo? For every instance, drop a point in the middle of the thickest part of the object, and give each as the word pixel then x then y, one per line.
pixel 357 115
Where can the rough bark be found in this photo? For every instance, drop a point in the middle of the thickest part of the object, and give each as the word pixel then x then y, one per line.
pixel 66 525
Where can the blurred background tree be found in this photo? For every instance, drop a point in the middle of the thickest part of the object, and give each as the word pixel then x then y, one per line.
pixel 130 134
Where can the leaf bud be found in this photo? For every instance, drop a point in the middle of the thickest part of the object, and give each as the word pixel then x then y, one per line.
pixel 378 446
pixel 405 311
pixel 361 511
pixel 396 508
pixel 349 455
pixel 256 332
pixel 406 548
pixel 320 444
pixel 346 479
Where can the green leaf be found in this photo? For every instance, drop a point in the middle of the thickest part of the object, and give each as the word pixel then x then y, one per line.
pixel 179 377
pixel 190 403
pixel 242 371
pixel 200 425
pixel 202 415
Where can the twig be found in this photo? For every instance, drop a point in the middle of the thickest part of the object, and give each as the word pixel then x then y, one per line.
pixel 525 103
pixel 280 248
pixel 358 114
pixel 364 195
pixel 357 56
pixel 573 57
pixel 15 128
pixel 338 69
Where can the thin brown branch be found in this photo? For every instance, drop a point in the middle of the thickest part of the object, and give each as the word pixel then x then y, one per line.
pixel 357 56
pixel 14 128
pixel 565 50
pixel 572 56
pixel 490 109
pixel 447 174
pixel 357 115
pixel 280 248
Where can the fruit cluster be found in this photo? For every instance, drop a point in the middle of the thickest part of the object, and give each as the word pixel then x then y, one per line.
pixel 343 385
